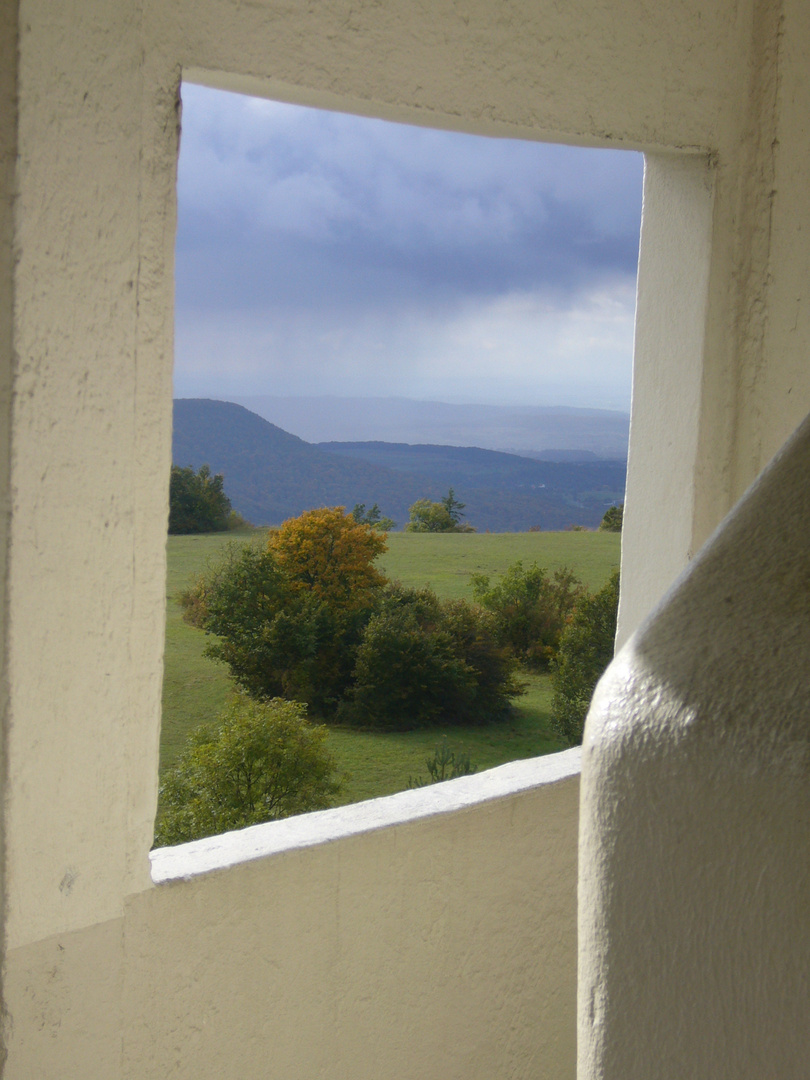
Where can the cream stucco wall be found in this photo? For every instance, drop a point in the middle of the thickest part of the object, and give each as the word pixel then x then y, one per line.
pixel 715 92
pixel 94 187
pixel 8 156
pixel 90 445
pixel 431 934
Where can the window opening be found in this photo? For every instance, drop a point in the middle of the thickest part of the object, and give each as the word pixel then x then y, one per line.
pixel 369 314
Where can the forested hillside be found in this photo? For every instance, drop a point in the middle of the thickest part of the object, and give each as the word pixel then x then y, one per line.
pixel 271 475
pixel 506 486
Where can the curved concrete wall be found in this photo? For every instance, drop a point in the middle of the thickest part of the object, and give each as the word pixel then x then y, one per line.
pixel 695 836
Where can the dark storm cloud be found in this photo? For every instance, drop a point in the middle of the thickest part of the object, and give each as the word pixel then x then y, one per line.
pixel 290 208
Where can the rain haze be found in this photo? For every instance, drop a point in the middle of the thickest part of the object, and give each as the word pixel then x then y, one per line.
pixel 325 254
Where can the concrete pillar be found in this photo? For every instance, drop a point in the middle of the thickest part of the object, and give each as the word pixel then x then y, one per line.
pixel 88 399
pixel 695 814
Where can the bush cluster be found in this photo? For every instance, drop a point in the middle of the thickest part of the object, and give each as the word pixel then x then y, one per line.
pixel 530 609
pixel 425 662
pixel 310 618
pixel 438 517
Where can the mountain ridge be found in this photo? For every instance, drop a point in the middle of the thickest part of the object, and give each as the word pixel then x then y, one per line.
pixel 272 474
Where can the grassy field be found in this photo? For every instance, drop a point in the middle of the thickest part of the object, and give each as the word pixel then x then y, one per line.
pixel 446 561
pixel 195 688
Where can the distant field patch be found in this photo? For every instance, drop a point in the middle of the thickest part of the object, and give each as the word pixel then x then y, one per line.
pixel 446 561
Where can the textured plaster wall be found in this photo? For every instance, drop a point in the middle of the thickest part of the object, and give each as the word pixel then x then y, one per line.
pixel 695 834
pixel 755 378
pixel 94 186
pixel 440 948
pixel 592 70
pixel 722 333
pixel 772 389
pixel 89 452
pixel 8 155
pixel 87 164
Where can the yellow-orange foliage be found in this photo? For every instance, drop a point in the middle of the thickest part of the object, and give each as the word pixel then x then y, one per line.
pixel 328 552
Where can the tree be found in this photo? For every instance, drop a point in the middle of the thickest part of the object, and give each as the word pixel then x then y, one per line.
pixel 331 555
pixel 440 517
pixel 530 609
pixel 372 518
pixel 586 649
pixel 453 506
pixel 265 761
pixel 288 619
pixel 613 519
pixel 197 501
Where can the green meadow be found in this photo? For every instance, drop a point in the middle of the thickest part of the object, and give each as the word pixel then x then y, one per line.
pixel 195 687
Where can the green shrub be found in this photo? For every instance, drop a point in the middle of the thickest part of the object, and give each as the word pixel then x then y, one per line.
pixel 439 517
pixel 425 662
pixel 239 576
pixel 265 761
pixel 613 519
pixel 586 649
pixel 530 609
pixel 445 764
pixel 197 501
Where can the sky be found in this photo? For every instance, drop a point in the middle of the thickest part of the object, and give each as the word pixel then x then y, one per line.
pixel 325 254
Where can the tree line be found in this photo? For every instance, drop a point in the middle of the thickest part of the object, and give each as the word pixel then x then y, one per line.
pixel 198 504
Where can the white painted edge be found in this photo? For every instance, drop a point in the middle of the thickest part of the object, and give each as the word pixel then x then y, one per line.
pixel 231 849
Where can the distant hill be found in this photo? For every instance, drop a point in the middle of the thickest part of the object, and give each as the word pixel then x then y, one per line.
pixel 553 432
pixel 478 468
pixel 506 489
pixel 271 475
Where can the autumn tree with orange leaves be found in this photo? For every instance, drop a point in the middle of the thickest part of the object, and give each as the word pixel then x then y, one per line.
pixel 329 554
pixel 289 618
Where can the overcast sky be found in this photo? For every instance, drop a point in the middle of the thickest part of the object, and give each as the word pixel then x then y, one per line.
pixel 319 253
